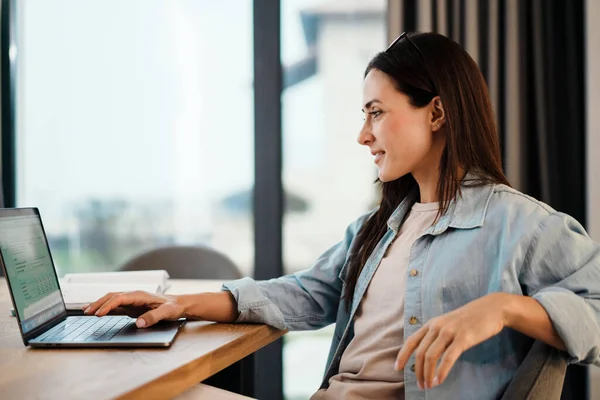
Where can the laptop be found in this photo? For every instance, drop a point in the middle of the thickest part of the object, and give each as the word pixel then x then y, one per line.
pixel 40 308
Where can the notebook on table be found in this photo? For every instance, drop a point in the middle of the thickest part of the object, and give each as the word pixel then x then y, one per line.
pixel 83 288
pixel 37 298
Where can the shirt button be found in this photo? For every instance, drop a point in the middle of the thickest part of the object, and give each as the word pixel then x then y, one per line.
pixel 413 320
pixel 412 368
pixel 414 272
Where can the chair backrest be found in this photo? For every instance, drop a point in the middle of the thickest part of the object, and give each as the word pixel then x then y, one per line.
pixel 540 377
pixel 186 262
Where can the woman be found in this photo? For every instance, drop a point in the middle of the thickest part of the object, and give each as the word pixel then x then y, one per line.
pixel 446 284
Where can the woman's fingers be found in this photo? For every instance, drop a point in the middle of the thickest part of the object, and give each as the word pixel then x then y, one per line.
pixel 450 356
pixel 409 346
pixel 93 307
pixel 435 342
pixel 432 356
pixel 111 301
pixel 166 311
pixel 117 300
pixel 442 340
pixel 420 355
pixel 148 308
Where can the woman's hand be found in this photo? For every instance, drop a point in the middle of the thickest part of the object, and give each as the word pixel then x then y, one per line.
pixel 147 307
pixel 150 308
pixel 446 337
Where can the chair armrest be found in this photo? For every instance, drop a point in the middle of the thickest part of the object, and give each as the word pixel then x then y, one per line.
pixel 540 377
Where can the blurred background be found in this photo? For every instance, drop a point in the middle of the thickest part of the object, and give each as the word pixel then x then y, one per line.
pixel 146 123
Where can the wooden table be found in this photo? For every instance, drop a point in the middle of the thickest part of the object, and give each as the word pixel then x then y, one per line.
pixel 201 350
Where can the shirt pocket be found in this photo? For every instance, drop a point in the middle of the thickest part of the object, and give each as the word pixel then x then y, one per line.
pixel 460 287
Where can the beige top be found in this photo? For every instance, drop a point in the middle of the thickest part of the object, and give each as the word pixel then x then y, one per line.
pixel 367 365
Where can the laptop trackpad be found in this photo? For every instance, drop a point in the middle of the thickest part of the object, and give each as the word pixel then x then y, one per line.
pixel 162 332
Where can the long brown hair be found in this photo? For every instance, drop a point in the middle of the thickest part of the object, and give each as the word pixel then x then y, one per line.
pixel 423 66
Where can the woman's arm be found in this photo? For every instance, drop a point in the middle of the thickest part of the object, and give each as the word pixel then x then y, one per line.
pixel 218 307
pixel 526 315
pixel 442 340
pixel 150 308
pixel 305 300
pixel 561 306
pixel 561 271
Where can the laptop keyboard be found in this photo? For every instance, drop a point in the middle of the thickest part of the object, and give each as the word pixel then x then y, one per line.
pixel 86 329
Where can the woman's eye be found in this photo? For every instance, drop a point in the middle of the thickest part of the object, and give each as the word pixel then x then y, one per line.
pixel 375 114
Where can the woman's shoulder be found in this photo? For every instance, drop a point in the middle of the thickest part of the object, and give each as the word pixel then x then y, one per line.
pixel 523 220
pixel 526 213
pixel 512 197
pixel 511 200
pixel 485 202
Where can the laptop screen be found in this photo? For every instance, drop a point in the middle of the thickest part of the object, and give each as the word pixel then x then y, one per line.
pixel 30 271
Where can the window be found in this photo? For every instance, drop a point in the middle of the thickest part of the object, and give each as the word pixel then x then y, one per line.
pixel 135 126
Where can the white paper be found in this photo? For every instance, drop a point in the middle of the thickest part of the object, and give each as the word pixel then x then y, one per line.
pixel 159 277
pixel 81 293
pixel 82 288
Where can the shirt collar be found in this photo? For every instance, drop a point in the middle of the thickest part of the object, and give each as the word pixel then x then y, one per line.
pixel 402 210
pixel 465 211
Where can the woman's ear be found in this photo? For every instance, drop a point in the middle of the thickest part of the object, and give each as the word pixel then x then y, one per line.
pixel 438 115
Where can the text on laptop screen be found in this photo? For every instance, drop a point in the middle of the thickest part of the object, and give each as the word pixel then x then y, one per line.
pixel 30 270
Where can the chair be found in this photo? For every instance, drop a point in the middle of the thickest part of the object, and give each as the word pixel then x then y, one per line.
pixel 186 262
pixel 540 377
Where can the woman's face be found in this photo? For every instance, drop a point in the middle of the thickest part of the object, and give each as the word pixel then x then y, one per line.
pixel 400 136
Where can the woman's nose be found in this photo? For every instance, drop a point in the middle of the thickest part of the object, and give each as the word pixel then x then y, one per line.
pixel 365 137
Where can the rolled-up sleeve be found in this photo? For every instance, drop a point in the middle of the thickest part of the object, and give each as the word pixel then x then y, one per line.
pixel 562 272
pixel 302 301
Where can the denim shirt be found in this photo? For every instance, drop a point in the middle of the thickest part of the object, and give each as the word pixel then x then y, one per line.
pixel 492 239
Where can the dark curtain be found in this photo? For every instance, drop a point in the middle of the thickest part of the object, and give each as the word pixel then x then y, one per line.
pixel 531 53
pixel 553 46
pixel 554 61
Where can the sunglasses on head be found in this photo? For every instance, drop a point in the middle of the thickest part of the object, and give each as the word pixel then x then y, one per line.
pixel 407 36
